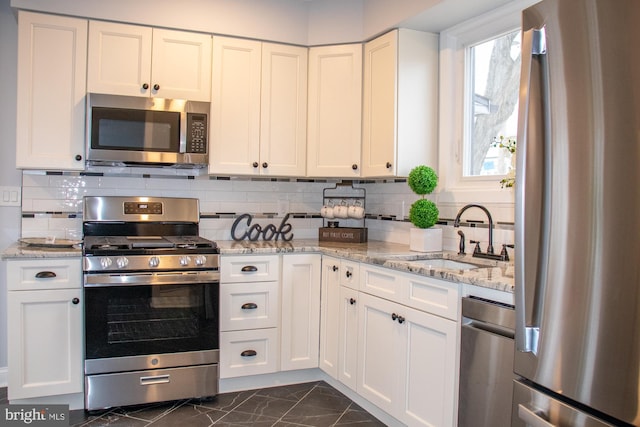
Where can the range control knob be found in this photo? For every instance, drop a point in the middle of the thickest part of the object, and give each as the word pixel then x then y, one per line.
pixel 105 262
pixel 122 262
pixel 201 260
pixel 184 260
pixel 154 261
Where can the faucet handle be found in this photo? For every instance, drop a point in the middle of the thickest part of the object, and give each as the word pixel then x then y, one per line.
pixel 476 249
pixel 504 254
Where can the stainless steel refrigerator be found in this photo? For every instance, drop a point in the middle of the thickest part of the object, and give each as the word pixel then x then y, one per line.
pixel 578 216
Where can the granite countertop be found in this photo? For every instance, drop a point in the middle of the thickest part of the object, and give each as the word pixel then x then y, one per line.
pixel 488 274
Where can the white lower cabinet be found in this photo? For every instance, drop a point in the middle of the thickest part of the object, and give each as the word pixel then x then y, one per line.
pixel 45 334
pixel 396 338
pixel 348 337
pixel 300 317
pixel 269 313
pixel 249 315
pixel 407 362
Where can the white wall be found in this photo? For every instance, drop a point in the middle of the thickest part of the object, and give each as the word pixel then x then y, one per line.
pixel 9 176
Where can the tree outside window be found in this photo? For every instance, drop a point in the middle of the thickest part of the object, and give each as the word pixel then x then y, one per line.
pixel 494 76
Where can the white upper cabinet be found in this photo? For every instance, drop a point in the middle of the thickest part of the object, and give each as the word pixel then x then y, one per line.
pixel 52 61
pixel 142 61
pixel 335 111
pixel 258 108
pixel 399 124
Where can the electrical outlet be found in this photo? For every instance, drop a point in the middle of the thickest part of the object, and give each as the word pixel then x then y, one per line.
pixel 11 196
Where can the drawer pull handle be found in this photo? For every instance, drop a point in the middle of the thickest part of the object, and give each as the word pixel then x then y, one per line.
pixel 249 269
pixel 45 275
pixel 249 306
pixel 248 353
pixel 160 379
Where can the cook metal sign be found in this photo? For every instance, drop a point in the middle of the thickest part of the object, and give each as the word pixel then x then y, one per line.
pixel 253 232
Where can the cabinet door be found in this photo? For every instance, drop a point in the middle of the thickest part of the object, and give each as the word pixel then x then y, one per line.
pixel 379 106
pixel 119 59
pixel 235 107
pixel 329 322
pixel 399 123
pixel 52 61
pixel 283 123
pixel 45 343
pixel 181 65
pixel 300 311
pixel 335 111
pixel 429 379
pixel 348 337
pixel 381 352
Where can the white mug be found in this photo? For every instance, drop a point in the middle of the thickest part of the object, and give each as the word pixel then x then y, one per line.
pixel 327 211
pixel 341 211
pixel 356 211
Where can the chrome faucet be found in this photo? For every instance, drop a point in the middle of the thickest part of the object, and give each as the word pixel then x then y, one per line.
pixel 477 252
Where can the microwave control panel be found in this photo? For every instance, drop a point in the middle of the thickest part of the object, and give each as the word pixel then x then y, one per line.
pixel 196 133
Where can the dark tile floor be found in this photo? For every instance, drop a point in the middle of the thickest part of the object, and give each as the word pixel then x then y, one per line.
pixel 310 404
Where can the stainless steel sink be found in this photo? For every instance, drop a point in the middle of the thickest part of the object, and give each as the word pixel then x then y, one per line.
pixel 448 264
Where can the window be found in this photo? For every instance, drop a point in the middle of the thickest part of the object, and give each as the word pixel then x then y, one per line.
pixel 491 95
pixel 479 84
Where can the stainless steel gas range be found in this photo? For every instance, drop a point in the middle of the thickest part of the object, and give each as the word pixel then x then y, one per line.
pixel 151 289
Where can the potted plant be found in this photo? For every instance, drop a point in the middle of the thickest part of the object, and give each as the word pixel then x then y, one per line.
pixel 424 212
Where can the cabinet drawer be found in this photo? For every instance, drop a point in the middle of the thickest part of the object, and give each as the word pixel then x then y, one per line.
pixel 381 282
pixel 431 295
pixel 42 274
pixel 249 352
pixel 248 305
pixel 350 274
pixel 249 268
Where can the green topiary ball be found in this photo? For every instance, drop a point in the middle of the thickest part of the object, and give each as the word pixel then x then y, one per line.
pixel 422 180
pixel 423 213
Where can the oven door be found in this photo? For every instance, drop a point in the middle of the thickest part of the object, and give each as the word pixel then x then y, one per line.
pixel 150 320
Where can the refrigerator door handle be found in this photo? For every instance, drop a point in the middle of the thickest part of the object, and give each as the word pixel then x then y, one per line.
pixel 531 231
pixel 532 418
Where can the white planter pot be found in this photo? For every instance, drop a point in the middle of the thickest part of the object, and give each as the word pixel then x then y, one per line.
pixel 425 239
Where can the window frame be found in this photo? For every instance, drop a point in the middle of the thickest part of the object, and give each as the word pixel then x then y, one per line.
pixel 455 78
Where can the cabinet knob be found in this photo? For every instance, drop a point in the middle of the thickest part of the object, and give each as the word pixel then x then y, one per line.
pixel 145 86
pixel 75 300
pixel 265 165
pixel 248 353
pixel 352 301
pixel 255 164
pixel 334 268
pixel 45 275
pixel 348 274
pixel 354 167
pixel 156 86
pixel 78 157
pixel 389 165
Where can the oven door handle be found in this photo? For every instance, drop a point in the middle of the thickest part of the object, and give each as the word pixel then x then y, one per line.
pixel 156 278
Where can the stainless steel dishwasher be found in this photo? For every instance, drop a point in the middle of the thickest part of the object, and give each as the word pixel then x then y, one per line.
pixel 486 363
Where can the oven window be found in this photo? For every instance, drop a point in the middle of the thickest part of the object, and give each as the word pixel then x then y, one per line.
pixel 136 130
pixel 138 320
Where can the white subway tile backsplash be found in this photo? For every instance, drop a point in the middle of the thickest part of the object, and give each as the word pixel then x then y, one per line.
pixel 52 203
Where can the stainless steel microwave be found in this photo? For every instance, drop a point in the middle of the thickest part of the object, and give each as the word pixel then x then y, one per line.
pixel 128 130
